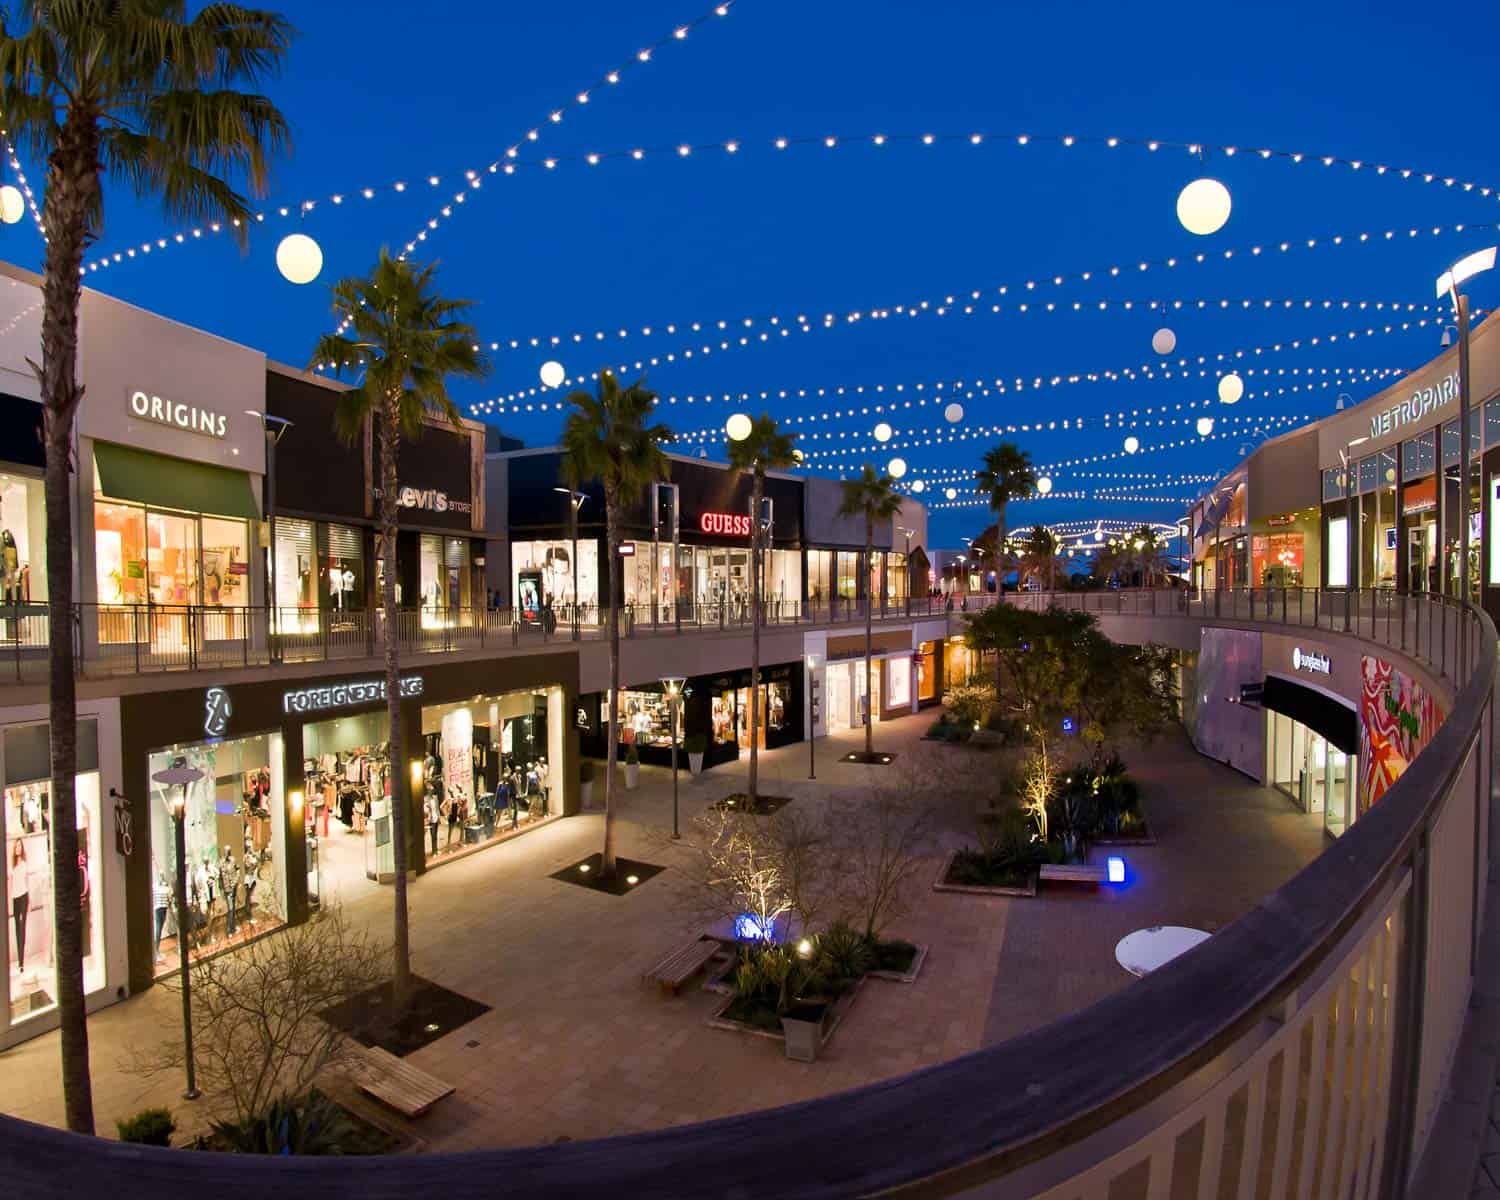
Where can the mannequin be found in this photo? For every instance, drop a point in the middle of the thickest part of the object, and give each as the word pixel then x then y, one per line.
pixel 434 817
pixel 204 882
pixel 251 866
pixel 229 884
pixel 161 903
pixel 10 567
pixel 20 898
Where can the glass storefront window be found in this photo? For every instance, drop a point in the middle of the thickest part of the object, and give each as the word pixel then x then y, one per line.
pixel 724 719
pixel 23 540
pixel 489 767
pixel 1333 484
pixel 1338 552
pixel 296 578
pixel 644 719
pixel 234 830
pixel 1418 457
pixel 848 574
pixel 819 576
pixel 1276 559
pixel 460 579
pixel 895 576
pixel 172 564
pixel 1491 423
pixel 444 579
pixel 430 575
pixel 554 559
pixel 344 565
pixel 120 553
pixel 898 682
pixel 783 584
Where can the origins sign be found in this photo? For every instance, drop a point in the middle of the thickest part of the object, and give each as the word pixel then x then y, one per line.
pixel 1414 407
pixel 177 415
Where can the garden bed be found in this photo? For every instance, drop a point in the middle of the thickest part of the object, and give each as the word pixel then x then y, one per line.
pixel 764 805
pixel 358 1136
pixel 762 1020
pixel 1018 882
pixel 897 961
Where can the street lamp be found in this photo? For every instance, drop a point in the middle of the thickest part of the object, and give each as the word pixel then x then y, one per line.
pixel 1349 541
pixel 673 687
pixel 575 502
pixel 183 777
pixel 274 427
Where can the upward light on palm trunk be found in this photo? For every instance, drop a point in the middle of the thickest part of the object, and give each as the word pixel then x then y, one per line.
pixel 403 343
pixel 139 94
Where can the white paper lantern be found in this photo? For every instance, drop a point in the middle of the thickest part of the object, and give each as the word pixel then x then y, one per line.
pixel 1163 341
pixel 552 374
pixel 1205 426
pixel 299 258
pixel 953 414
pixel 896 468
pixel 951 493
pixel 1132 444
pixel 882 432
pixel 1044 485
pixel 1231 388
pixel 12 204
pixel 1203 206
pixel 738 427
pixel 918 486
pixel 798 456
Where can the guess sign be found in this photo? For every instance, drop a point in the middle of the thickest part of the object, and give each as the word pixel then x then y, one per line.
pixel 733 524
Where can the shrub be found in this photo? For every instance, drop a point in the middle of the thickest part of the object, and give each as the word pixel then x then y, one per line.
pixel 307 1125
pixel 971 705
pixel 149 1127
pixel 843 953
pixel 1007 839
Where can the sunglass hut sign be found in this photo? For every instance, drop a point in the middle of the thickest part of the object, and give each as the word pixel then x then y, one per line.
pixel 1416 406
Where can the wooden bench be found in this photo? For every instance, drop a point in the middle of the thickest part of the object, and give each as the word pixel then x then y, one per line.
pixel 396 1082
pixel 682 964
pixel 1073 873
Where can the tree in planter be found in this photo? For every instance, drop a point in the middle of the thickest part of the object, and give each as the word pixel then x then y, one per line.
pixel 765 448
pixel 1005 474
pixel 1130 694
pixel 404 343
pixel 873 496
pixel 143 93
pixel 607 438
pixel 885 836
pixel 742 870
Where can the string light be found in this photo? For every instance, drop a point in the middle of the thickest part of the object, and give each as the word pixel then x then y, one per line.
pixel 15 165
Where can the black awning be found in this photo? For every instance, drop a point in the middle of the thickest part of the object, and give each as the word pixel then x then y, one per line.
pixel 1321 713
pixel 21 431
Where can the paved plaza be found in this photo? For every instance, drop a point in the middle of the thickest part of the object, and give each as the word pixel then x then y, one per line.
pixel 576 1046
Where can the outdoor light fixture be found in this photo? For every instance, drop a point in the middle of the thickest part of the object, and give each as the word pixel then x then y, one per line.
pixel 294 798
pixel 804 948
pixel 918 487
pixel 1163 341
pixel 1231 388
pixel 1203 206
pixel 1044 485
pixel 416 773
pixel 584 868
pixel 896 468
pixel 883 432
pixel 738 427
pixel 12 204
pixel 1464 269
pixel 1115 868
pixel 953 414
pixel 1205 426
pixel 1132 444
pixel 552 373
pixel 299 258
pixel 632 879
pixel 951 493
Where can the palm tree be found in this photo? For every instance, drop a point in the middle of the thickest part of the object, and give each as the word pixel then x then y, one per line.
pixel 134 88
pixel 1007 475
pixel 874 496
pixel 404 342
pixel 606 437
pixel 766 448
pixel 1040 554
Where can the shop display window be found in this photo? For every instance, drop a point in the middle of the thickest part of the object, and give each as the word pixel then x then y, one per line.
pixel 645 719
pixel 23 540
pixel 234 832
pixel 31 954
pixel 1491 422
pixel 724 718
pixel 1333 484
pixel 1276 559
pixel 898 682
pixel 489 767
pixel 296 576
pixel 554 560
pixel 895 576
pixel 346 779
pixel 819 575
pixel 344 566
pixel 1338 552
pixel 1418 457
pixel 848 574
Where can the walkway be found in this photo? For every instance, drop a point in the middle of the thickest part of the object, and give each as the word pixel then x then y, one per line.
pixel 575 1046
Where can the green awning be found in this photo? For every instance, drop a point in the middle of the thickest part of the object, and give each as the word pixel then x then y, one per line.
pixel 162 482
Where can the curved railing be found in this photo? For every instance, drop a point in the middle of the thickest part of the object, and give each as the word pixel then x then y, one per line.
pixel 1303 1050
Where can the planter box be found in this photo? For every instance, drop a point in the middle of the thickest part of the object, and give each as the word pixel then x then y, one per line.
pixel 695 764
pixel 586 793
pixel 1144 838
pixel 632 776
pixel 941 884
pixel 896 977
pixel 832 1017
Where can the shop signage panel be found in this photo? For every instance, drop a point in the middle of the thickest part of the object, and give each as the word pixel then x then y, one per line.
pixel 175 414
pixel 430 500
pixel 1414 407
pixel 730 524
pixel 1312 661
pixel 345 695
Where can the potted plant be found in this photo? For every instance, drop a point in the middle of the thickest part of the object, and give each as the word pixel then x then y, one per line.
pixel 802 1027
pixel 586 784
pixel 632 767
pixel 695 744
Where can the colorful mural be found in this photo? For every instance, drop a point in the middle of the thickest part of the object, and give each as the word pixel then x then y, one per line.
pixel 1397 718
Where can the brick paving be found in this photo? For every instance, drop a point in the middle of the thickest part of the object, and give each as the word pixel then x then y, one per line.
pixel 575 1046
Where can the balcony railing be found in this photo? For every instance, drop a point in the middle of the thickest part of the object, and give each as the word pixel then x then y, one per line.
pixel 1304 1050
pixel 148 638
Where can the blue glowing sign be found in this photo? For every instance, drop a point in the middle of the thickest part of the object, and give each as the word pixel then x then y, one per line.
pixel 1068 725
pixel 1115 868
pixel 747 928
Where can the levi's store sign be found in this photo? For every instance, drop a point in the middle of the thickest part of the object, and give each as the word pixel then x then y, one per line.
pixel 730 524
pixel 431 500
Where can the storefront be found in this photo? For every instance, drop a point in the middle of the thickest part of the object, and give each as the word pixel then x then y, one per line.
pixel 292 806
pixel 1312 749
pixel 929 660
pixel 23 519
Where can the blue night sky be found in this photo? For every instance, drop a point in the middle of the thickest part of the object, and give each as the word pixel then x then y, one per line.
pixel 809 230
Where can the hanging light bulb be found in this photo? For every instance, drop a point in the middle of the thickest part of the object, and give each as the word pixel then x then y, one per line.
pixel 552 374
pixel 1163 341
pixel 1132 444
pixel 1044 485
pixel 738 427
pixel 882 432
pixel 298 258
pixel 1231 388
pixel 1205 426
pixel 896 468
pixel 951 493
pixel 12 204
pixel 1203 206
pixel 953 414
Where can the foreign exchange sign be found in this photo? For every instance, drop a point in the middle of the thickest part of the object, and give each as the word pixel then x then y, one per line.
pixel 345 695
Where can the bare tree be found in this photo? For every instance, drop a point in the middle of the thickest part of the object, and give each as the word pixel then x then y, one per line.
pixel 258 1029
pixel 885 834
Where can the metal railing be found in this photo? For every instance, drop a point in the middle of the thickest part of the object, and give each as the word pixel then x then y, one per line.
pixel 1301 1051
pixel 150 638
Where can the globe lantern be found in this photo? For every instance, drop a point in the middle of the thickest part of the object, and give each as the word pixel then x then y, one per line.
pixel 738 427
pixel 298 258
pixel 1231 388
pixel 552 374
pixel 1163 341
pixel 1203 206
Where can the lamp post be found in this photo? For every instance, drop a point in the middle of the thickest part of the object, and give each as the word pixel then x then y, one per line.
pixel 812 716
pixel 1350 548
pixel 575 502
pixel 673 687
pixel 183 777
pixel 274 428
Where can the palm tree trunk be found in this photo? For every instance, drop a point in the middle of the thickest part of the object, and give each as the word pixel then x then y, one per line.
pixel 755 490
pixel 869 636
pixel 612 537
pixel 389 443
pixel 72 184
